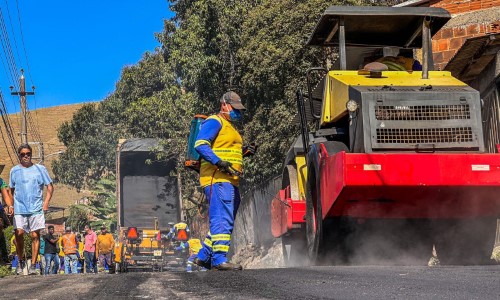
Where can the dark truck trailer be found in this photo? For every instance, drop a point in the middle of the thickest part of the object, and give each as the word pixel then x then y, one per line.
pixel 145 190
pixel 148 199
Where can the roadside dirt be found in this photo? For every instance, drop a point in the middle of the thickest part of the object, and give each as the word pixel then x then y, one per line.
pixel 251 257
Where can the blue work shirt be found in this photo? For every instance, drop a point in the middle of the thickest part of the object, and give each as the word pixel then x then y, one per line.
pixel 209 130
pixel 28 184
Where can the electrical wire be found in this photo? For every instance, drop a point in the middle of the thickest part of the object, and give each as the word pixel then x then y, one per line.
pixel 35 133
pixel 8 128
pixel 12 30
pixel 7 147
pixel 22 40
pixel 10 66
pixel 8 49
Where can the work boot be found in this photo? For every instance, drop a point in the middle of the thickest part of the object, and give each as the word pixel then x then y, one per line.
pixel 202 264
pixel 227 266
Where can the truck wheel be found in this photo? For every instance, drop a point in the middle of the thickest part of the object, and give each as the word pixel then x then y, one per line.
pixel 315 225
pixel 314 220
pixel 334 147
pixel 465 242
pixel 294 242
pixel 289 178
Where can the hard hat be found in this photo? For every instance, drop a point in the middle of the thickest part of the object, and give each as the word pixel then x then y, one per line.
pixel 170 223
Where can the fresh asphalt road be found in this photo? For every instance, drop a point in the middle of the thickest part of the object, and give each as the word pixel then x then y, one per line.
pixel 360 282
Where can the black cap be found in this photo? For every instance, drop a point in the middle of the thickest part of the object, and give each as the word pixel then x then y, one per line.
pixel 232 99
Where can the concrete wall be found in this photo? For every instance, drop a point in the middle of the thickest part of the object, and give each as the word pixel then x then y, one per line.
pixel 253 221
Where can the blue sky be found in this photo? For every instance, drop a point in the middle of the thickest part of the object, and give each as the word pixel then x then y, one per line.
pixel 76 49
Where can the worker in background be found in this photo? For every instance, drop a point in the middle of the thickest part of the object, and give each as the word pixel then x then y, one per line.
pixel 13 254
pixel 79 253
pixel 70 247
pixel 221 149
pixel 194 246
pixel 396 61
pixel 60 256
pixel 104 247
pixel 179 232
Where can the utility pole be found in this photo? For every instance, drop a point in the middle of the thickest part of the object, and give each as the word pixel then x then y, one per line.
pixel 24 117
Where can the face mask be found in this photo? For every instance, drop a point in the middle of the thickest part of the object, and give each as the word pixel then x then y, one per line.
pixel 235 115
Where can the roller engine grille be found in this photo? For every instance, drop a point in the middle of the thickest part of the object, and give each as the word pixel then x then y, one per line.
pixel 424 135
pixel 422 112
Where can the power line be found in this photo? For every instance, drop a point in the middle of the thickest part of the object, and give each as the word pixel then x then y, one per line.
pixel 7 147
pixel 12 30
pixel 22 40
pixel 35 133
pixel 7 49
pixel 6 121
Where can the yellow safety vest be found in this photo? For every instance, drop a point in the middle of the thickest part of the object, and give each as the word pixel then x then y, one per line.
pixel 59 242
pixel 180 225
pixel 13 245
pixel 194 246
pixel 227 146
pixel 399 63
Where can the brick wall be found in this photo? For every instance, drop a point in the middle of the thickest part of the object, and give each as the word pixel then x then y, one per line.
pixel 448 41
pixel 471 18
pixel 462 6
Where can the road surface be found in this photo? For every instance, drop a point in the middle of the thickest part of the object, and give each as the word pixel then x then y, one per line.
pixel 361 282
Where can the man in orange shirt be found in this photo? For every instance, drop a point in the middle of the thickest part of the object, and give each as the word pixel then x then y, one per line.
pixel 105 245
pixel 69 247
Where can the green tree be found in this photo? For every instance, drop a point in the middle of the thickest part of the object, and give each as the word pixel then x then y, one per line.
pixel 101 209
pixel 254 47
pixel 78 216
pixel 89 148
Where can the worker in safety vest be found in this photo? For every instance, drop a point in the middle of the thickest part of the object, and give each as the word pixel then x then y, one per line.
pixel 60 256
pixel 70 247
pixel 221 149
pixel 399 62
pixel 79 253
pixel 13 254
pixel 194 246
pixel 179 232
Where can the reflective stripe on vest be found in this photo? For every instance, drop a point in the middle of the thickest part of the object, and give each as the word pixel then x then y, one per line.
pixel 69 243
pixel 227 146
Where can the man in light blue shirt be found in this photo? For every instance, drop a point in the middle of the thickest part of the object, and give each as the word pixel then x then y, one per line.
pixel 27 181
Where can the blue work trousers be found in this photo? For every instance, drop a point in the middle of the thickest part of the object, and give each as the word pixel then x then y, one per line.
pixel 224 200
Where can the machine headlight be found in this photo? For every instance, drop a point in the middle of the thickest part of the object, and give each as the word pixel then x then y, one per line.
pixel 352 105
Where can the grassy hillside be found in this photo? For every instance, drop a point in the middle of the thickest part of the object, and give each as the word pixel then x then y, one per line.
pixel 47 120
